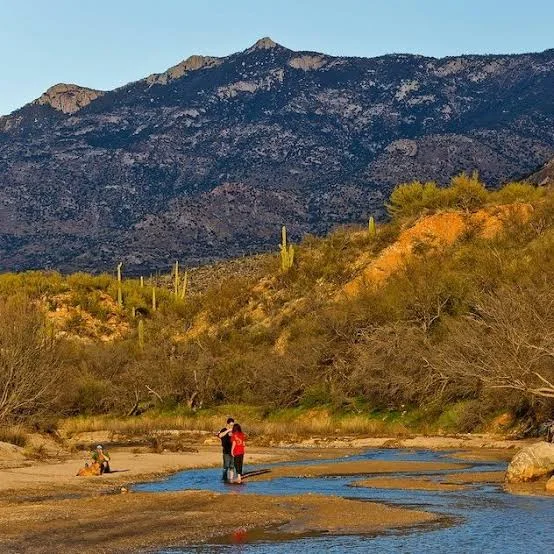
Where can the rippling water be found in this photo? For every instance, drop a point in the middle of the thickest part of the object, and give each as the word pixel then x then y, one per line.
pixel 485 519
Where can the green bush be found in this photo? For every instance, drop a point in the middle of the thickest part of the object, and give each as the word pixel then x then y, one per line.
pixel 517 192
pixel 413 198
pixel 466 192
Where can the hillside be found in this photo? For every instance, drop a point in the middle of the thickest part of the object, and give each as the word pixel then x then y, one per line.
pixel 442 317
pixel 208 159
pixel 545 175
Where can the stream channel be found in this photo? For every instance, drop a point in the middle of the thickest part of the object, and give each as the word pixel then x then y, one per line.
pixel 481 519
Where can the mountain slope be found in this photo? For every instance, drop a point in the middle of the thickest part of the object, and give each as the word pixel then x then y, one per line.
pixel 441 316
pixel 207 159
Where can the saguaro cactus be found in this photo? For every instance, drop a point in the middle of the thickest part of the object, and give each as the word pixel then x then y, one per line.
pixel 371 227
pixel 140 333
pixel 185 285
pixel 141 281
pixel 286 250
pixel 119 291
pixel 176 279
pixel 154 305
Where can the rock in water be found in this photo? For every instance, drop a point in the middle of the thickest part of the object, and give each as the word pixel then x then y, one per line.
pixel 531 463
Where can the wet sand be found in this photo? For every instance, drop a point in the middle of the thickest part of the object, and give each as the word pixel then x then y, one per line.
pixel 364 467
pixel 450 482
pixel 485 455
pixel 530 488
pixel 407 483
pixel 137 521
pixel 475 477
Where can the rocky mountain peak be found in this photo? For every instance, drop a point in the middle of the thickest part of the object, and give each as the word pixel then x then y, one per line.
pixel 213 164
pixel 67 98
pixel 192 63
pixel 264 43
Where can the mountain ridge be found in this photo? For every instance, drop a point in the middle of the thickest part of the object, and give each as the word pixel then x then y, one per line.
pixel 199 61
pixel 207 159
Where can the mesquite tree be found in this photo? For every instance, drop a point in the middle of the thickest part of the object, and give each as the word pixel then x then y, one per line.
pixel 30 367
pixel 506 342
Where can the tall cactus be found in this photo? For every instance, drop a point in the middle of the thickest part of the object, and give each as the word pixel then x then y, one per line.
pixel 141 282
pixel 176 279
pixel 371 227
pixel 119 291
pixel 185 285
pixel 154 304
pixel 140 331
pixel 286 251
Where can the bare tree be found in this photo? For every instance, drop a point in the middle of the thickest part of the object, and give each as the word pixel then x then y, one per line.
pixel 29 363
pixel 506 342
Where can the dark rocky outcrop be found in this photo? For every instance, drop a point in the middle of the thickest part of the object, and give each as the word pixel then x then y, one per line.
pixel 208 159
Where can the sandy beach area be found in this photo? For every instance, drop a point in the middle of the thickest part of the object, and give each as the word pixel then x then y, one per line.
pixel 45 503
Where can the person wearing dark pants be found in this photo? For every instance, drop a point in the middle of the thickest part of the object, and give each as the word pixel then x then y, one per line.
pixel 226 445
pixel 238 444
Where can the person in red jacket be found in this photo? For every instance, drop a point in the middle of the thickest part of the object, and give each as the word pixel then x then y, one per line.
pixel 238 439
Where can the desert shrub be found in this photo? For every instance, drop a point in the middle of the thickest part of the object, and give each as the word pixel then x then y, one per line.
pixel 91 395
pixel 85 282
pixel 326 259
pixel 13 435
pixel 517 192
pixel 226 298
pixel 30 366
pixel 76 324
pixel 33 284
pixel 411 199
pixel 91 302
pixel 316 395
pixel 466 192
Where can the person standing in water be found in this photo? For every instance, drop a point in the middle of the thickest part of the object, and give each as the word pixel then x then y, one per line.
pixel 238 444
pixel 226 445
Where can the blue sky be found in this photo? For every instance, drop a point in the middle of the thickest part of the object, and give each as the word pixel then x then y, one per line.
pixel 104 44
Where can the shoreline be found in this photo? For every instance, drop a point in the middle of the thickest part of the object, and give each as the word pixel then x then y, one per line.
pixel 137 464
pixel 102 512
pixel 45 500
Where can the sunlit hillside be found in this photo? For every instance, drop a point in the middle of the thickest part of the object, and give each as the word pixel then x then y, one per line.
pixel 439 319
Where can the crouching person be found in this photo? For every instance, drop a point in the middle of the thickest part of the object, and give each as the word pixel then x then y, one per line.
pixel 102 458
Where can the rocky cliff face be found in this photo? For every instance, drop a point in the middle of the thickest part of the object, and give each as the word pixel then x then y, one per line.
pixel 545 175
pixel 67 98
pixel 209 158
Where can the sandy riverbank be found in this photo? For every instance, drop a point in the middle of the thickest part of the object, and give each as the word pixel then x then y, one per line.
pixel 448 482
pixel 58 477
pixel 45 503
pixel 139 521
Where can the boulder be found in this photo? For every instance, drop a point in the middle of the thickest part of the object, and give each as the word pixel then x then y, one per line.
pixel 550 485
pixel 531 462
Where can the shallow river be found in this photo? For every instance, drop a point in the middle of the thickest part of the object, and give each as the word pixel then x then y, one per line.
pixel 483 518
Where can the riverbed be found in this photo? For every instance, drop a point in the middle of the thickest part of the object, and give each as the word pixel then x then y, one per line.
pixel 481 517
